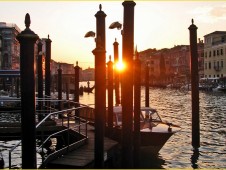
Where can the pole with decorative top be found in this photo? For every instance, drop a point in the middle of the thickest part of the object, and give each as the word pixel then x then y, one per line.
pixel 27 39
pixel 100 89
pixel 110 95
pixel 47 67
pixel 76 91
pixel 116 73
pixel 40 77
pixel 194 86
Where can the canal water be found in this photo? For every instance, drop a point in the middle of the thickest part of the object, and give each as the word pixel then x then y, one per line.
pixel 175 106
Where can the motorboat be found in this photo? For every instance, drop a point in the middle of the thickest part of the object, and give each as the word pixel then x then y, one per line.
pixel 154 132
pixel 220 87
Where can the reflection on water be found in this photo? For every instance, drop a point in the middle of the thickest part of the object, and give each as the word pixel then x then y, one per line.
pixel 175 106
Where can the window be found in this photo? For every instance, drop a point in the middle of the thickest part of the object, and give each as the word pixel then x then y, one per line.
pixel 221 51
pixel 217 52
pixel 214 53
pixel 210 54
pixel 205 54
pixel 209 65
pixel 222 64
pixel 205 66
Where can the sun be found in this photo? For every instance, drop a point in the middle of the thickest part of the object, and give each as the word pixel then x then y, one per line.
pixel 120 66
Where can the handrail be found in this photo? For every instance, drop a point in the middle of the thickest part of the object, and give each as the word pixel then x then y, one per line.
pixel 55 113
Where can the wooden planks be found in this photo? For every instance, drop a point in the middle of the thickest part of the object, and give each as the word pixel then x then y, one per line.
pixel 83 157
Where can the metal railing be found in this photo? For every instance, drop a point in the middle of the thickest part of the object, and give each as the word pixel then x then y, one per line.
pixel 66 114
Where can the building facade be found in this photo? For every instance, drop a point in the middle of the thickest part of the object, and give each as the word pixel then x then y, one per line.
pixel 167 66
pixel 215 54
pixel 9 47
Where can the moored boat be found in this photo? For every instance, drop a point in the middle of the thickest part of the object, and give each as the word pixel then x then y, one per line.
pixel 154 132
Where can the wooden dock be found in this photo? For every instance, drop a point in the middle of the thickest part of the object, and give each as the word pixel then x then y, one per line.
pixel 83 157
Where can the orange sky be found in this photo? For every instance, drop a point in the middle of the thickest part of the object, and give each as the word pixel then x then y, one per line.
pixel 157 24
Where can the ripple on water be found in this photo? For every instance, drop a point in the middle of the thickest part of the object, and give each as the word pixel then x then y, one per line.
pixel 175 106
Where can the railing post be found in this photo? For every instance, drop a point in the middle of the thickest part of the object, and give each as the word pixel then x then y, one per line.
pixel 27 39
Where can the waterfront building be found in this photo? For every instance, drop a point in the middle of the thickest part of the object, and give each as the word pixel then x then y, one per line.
pixel 9 56
pixel 215 54
pixel 171 65
pixel 10 47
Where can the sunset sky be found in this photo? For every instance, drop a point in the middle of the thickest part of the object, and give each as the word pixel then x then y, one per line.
pixel 158 24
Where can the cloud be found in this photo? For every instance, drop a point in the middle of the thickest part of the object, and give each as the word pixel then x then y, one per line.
pixel 219 12
pixel 210 13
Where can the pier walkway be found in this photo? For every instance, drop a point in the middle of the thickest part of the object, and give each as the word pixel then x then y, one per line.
pixel 83 157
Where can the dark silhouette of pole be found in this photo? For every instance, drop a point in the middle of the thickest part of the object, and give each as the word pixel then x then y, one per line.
pixel 47 67
pixel 40 78
pixel 110 96
pixel 194 86
pixel 76 92
pixel 137 99
pixel 100 104
pixel 147 85
pixel 27 39
pixel 116 74
pixel 100 88
pixel 60 87
pixel 127 84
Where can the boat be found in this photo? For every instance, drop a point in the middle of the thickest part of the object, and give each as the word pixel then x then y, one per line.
pixel 220 87
pixel 154 132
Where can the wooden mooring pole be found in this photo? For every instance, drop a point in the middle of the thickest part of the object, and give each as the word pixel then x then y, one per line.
pixel 147 85
pixel 60 88
pixel 76 91
pixel 47 67
pixel 110 96
pixel 116 74
pixel 40 78
pixel 127 84
pixel 100 89
pixel 194 86
pixel 137 99
pixel 27 39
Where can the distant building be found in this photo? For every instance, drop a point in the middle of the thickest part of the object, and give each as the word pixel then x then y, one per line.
pixel 88 74
pixel 171 65
pixel 9 46
pixel 215 54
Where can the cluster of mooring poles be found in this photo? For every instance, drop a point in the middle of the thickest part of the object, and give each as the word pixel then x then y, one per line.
pixel 130 89
pixel 27 40
pixel 127 89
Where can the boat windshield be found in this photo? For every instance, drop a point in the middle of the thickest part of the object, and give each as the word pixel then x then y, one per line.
pixel 150 114
pixel 147 113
